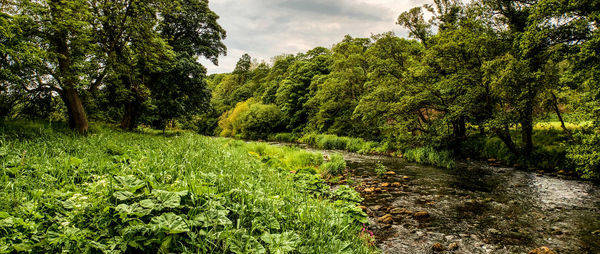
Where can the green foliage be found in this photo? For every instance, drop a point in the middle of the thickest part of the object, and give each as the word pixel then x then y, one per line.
pixel 586 154
pixel 283 137
pixel 335 166
pixel 123 192
pixel 250 119
pixel 380 169
pixel 428 155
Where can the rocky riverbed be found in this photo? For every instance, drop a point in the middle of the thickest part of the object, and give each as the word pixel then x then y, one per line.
pixel 475 208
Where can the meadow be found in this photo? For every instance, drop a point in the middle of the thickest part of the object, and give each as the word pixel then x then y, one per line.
pixel 146 191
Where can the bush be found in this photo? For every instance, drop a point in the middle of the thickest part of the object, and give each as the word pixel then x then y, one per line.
pixel 283 137
pixel 430 156
pixel 586 154
pixel 309 139
pixel 251 120
pixel 335 166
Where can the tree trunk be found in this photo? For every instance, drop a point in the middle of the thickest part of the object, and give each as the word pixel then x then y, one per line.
pixel 77 117
pixel 527 135
pixel 130 115
pixel 559 115
pixel 504 135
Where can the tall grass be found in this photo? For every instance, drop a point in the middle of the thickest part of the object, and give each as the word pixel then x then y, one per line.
pixel 333 142
pixel 430 156
pixel 123 192
pixel 335 166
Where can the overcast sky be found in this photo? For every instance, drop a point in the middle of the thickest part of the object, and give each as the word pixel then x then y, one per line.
pixel 267 28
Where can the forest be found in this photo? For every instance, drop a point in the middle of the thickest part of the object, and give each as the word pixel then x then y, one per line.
pixel 114 138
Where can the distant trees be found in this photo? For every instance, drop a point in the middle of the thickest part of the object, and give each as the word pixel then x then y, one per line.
pixel 99 54
pixel 487 69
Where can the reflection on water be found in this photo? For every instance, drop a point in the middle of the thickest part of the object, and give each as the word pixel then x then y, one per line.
pixel 478 208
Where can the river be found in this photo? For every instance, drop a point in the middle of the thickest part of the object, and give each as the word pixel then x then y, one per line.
pixel 474 208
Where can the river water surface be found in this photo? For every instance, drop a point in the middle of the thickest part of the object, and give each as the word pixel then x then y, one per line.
pixel 475 208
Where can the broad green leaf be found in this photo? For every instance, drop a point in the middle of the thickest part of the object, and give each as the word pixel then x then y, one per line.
pixel 244 243
pixel 170 223
pixel 149 204
pixel 133 209
pixel 130 183
pixel 168 199
pixel 123 195
pixel 281 243
pixel 210 218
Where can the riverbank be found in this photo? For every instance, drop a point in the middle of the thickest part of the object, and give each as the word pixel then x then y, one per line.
pixel 473 208
pixel 549 157
pixel 116 191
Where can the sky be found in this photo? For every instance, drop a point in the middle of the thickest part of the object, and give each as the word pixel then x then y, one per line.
pixel 268 28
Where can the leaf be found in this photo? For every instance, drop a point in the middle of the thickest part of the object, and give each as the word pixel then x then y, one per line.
pixel 75 162
pixel 133 209
pixel 168 199
pixel 212 217
pixel 123 195
pixel 245 243
pixel 170 223
pixel 149 204
pixel 281 243
pixel 130 183
pixel 23 247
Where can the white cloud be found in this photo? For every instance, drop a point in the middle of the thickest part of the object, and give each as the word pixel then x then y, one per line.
pixel 269 28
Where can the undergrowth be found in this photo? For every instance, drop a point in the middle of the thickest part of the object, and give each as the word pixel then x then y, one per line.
pixel 123 192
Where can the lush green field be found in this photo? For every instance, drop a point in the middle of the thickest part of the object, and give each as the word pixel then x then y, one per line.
pixel 117 192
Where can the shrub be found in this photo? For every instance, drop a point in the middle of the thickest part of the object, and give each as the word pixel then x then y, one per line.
pixel 428 155
pixel 283 137
pixel 586 154
pixel 331 142
pixel 335 166
pixel 260 120
pixel 309 139
pixel 251 120
pixel 380 169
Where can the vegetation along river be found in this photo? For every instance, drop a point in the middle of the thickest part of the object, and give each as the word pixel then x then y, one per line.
pixel 474 208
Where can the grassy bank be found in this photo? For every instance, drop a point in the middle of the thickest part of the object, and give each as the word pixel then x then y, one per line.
pixel 550 153
pixel 119 192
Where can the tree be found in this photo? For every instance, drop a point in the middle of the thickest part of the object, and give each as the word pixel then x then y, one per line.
pixel 60 35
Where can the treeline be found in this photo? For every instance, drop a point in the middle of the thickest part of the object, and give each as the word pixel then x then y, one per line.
pixel 122 61
pixel 474 80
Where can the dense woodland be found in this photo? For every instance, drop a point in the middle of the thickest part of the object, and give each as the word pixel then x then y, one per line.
pixel 473 77
pixel 515 80
pixel 98 100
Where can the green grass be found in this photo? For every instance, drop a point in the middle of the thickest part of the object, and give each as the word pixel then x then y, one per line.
pixel 123 192
pixel 350 144
pixel 335 166
pixel 430 156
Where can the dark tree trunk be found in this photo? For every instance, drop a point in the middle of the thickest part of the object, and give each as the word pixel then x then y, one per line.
pixel 130 115
pixel 77 117
pixel 504 135
pixel 559 115
pixel 527 132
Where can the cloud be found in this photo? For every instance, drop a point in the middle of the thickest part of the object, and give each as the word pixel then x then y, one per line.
pixel 269 28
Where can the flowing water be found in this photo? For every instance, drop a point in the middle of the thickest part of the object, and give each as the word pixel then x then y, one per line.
pixel 475 208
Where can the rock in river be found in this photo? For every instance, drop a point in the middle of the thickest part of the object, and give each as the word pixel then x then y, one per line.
pixel 386 219
pixel 453 246
pixel 401 211
pixel 438 247
pixel 421 215
pixel 542 250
